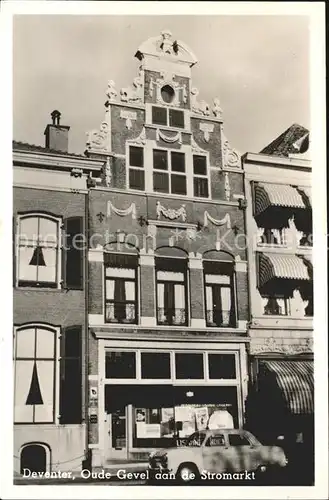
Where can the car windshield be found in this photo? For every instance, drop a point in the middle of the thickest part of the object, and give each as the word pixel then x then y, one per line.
pixel 196 439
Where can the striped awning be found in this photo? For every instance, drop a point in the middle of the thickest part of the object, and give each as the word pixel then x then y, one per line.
pixel 296 381
pixel 276 195
pixel 281 266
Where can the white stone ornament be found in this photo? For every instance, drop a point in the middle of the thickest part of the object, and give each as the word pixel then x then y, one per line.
pixel 99 139
pixel 217 110
pixel 207 129
pixel 108 173
pixel 128 116
pixel 227 187
pixel 135 93
pixel 170 213
pixel 111 93
pixel 169 139
pixel 202 107
pixel 131 210
pixel 217 222
pixel 231 156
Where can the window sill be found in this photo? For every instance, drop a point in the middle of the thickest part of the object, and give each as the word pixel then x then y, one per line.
pixel 40 289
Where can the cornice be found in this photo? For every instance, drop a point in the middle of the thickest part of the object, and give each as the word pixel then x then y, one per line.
pixel 54 161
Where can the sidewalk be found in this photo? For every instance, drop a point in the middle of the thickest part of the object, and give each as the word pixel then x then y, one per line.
pixel 98 474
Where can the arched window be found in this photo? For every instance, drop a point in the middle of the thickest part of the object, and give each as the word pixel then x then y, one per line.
pixel 35 457
pixel 35 355
pixel 38 250
pixel 219 289
pixel 171 279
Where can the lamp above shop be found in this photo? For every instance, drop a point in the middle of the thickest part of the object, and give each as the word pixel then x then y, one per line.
pixel 190 394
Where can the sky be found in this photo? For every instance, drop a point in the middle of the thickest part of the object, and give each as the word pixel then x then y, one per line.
pixel 258 66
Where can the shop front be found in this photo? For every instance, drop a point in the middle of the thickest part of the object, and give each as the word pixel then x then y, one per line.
pixel 157 397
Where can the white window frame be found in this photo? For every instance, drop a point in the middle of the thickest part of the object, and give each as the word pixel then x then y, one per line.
pixel 134 167
pixel 169 171
pixel 57 333
pixel 59 222
pixel 199 176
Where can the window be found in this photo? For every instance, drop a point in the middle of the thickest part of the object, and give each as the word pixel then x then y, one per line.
pixel 155 365
pixel 167 93
pixel 168 117
pixel 35 355
pixel 120 364
pixel 238 440
pixel 216 440
pixel 273 236
pixel 171 291
pixel 189 366
pixel 306 239
pixel 219 292
pixel 169 174
pixel 136 168
pixel 277 306
pixel 222 366
pixel 120 288
pixel 200 179
pixel 38 251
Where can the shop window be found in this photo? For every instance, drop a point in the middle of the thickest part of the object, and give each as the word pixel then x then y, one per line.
pixel 200 176
pixel 169 172
pixel 277 306
pixel 121 288
pixel 168 117
pixel 272 236
pixel 238 440
pixel 120 364
pixel 34 457
pixel 219 293
pixel 222 366
pixel 136 168
pixel 155 365
pixel 171 277
pixel 189 366
pixel 38 251
pixel 306 239
pixel 35 355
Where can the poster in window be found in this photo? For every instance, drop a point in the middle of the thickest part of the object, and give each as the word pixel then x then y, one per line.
pixel 201 417
pixel 184 413
pixel 148 430
pixel 140 415
pixel 167 414
pixel 221 419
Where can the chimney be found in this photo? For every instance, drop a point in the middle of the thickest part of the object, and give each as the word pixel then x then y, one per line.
pixel 57 135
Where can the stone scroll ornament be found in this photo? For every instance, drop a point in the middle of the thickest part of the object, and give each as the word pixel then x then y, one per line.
pixel 171 213
pixel 231 156
pixel 121 212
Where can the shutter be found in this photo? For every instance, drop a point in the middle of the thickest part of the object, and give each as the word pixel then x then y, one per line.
pixel 71 376
pixel 73 261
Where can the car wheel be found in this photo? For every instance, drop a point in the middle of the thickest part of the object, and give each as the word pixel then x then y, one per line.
pixel 187 474
pixel 261 473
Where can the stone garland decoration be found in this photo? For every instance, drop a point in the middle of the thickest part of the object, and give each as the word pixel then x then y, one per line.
pixel 169 139
pixel 206 128
pixel 273 345
pixel 170 213
pixel 217 222
pixel 121 212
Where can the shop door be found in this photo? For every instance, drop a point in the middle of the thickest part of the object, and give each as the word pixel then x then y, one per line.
pixel 116 432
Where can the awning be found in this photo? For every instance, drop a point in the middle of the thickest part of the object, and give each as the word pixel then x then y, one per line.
pixel 296 381
pixel 308 192
pixel 276 195
pixel 281 266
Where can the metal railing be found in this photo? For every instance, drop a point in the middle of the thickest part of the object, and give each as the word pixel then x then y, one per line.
pixel 174 316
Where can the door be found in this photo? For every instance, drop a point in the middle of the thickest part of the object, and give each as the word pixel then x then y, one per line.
pixel 116 432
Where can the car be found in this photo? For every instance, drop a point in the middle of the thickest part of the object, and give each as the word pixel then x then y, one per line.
pixel 215 455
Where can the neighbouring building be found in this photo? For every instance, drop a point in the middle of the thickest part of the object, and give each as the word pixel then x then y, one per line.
pixel 167 270
pixel 279 229
pixel 49 201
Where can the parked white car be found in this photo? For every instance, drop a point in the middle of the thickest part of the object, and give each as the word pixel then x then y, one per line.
pixel 219 454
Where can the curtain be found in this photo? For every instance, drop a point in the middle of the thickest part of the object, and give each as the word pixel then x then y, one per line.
pixel 23 377
pixel 209 304
pixel 130 295
pixel 119 300
pixel 179 296
pixel 44 412
pixel 226 305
